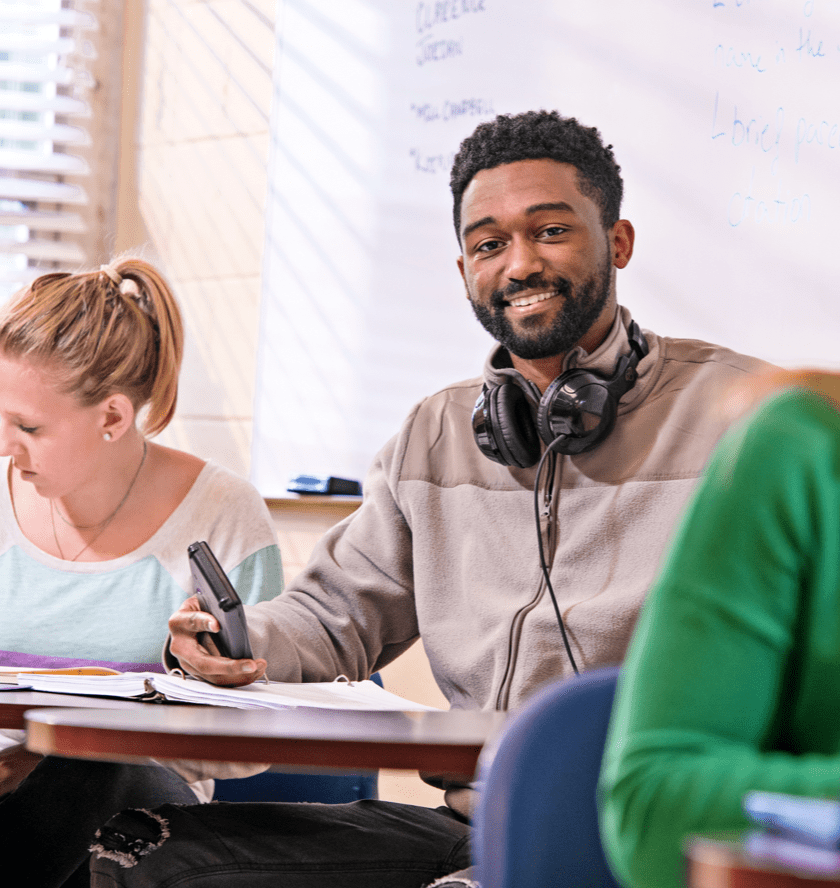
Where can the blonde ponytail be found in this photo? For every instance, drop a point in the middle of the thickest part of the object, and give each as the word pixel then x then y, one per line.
pixel 118 329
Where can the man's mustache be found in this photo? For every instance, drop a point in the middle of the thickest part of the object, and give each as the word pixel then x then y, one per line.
pixel 535 281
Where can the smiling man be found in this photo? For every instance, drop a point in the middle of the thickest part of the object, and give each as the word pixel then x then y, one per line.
pixel 539 274
pixel 444 546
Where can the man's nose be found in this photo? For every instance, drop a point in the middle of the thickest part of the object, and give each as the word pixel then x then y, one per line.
pixel 524 259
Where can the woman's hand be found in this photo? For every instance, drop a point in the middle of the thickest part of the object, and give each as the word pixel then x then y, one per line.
pixel 198 655
pixel 16 763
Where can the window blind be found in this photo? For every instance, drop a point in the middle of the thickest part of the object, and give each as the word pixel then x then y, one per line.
pixel 45 48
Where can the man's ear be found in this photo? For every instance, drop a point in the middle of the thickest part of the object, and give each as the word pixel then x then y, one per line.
pixel 623 236
pixel 117 415
pixel 463 276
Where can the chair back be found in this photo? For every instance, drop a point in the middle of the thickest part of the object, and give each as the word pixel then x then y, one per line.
pixel 537 820
pixel 274 786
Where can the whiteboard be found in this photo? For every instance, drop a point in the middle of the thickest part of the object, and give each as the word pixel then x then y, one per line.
pixel 725 119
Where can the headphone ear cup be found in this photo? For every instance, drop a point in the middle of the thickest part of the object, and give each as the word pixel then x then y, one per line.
pixel 576 412
pixel 503 427
pixel 516 434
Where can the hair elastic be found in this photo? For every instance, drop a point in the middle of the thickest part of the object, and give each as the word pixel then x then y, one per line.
pixel 112 273
pixel 126 286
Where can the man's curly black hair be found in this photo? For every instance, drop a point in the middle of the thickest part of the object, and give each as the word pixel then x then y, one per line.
pixel 535 135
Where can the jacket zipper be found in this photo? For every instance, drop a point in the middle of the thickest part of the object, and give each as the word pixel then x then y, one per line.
pixel 548 527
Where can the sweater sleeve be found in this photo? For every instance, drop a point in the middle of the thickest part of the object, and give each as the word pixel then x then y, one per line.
pixel 351 610
pixel 259 576
pixel 235 521
pixel 731 678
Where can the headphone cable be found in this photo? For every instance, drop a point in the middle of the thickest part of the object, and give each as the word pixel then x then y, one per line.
pixel 558 440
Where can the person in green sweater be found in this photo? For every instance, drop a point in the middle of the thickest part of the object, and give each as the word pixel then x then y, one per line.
pixel 732 680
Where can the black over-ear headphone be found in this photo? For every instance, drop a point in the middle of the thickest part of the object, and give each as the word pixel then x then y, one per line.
pixel 579 408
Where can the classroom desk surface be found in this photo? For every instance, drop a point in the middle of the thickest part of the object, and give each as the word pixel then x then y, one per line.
pixel 13 704
pixel 730 863
pixel 440 742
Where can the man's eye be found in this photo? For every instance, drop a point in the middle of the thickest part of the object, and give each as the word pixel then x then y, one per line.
pixel 29 430
pixel 553 231
pixel 488 246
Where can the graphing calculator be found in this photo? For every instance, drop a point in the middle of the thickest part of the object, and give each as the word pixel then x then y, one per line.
pixel 217 596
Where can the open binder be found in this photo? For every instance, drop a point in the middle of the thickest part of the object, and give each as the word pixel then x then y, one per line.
pixel 175 688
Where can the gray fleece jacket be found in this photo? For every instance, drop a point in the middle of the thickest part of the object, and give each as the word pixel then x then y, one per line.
pixel 444 545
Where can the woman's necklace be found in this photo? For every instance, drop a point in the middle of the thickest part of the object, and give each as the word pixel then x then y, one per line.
pixel 102 525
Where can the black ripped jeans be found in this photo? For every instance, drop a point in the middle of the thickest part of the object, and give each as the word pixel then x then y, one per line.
pixel 365 844
pixel 48 823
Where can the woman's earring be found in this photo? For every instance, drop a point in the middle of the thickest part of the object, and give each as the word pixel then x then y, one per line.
pixel 107 436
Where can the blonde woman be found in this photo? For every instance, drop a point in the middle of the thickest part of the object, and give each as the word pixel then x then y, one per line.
pixel 95 520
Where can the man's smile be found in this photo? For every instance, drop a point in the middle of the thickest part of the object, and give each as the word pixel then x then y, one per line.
pixel 532 299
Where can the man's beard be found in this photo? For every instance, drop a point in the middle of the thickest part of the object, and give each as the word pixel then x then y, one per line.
pixel 579 312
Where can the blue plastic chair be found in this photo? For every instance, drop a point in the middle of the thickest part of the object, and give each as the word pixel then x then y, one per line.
pixel 274 786
pixel 537 821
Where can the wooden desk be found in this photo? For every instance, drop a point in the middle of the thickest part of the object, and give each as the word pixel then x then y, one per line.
pixel 441 742
pixel 729 863
pixel 13 704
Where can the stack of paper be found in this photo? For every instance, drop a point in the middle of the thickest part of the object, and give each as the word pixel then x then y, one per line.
pixel 272 695
pixel 816 821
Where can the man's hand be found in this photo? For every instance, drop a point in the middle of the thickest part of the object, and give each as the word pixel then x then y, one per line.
pixel 198 655
pixel 16 763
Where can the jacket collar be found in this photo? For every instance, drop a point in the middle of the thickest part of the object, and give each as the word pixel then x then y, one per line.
pixel 498 367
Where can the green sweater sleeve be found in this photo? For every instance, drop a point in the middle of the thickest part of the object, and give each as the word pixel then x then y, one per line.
pixel 732 681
